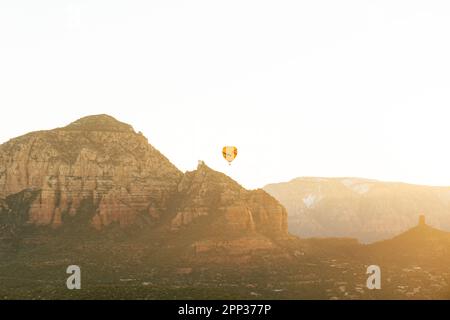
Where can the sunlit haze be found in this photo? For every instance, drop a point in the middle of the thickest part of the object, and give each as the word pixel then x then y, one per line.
pixel 302 88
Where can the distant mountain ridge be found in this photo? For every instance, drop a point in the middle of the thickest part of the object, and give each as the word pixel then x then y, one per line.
pixel 366 209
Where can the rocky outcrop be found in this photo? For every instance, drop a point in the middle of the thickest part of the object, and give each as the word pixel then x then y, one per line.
pixel 96 168
pixel 99 172
pixel 239 250
pixel 421 244
pixel 231 208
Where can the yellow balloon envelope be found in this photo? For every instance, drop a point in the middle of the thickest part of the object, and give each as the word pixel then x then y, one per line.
pixel 229 153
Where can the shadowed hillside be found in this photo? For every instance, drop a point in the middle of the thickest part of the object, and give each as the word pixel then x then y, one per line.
pixel 359 208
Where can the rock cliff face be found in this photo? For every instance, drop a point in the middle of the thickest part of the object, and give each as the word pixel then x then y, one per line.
pixel 98 171
pixel 205 192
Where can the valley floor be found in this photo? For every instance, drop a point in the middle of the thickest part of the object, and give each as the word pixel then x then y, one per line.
pixel 307 269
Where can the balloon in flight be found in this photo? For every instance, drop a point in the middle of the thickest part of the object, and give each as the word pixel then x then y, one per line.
pixel 229 153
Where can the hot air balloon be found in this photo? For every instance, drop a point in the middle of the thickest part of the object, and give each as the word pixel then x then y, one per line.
pixel 229 153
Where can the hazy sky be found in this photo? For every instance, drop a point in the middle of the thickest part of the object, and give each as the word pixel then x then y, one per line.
pixel 302 88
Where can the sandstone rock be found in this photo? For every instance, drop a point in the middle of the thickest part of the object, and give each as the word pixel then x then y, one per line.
pixel 184 271
pixel 205 192
pixel 97 171
pixel 96 162
pixel 241 246
pixel 237 251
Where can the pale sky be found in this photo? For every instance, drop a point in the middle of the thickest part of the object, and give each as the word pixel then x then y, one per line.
pixel 302 88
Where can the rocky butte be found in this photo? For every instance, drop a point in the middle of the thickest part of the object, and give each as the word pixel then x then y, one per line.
pixel 98 172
